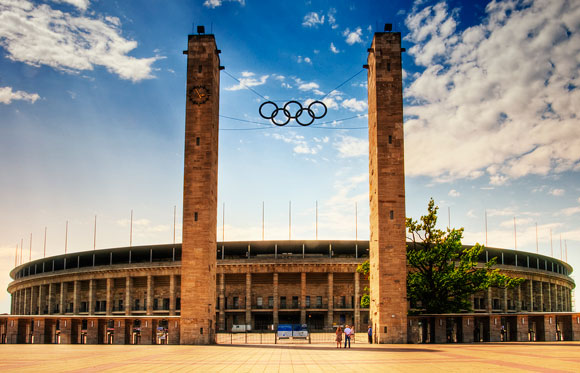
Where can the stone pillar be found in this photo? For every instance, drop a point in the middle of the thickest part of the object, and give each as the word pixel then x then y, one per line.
pixel 387 246
pixel 222 310
pixel 549 328
pixel 148 334
pixel 489 302
pixel 149 298
pixel 41 299
pixel 519 298
pixel 505 300
pixel 494 329
pixel 76 296
pixel 531 295
pixel 172 295
pixel 110 296
pixel 440 330
pixel 248 298
pixel 92 331
pixel 173 332
pixel 128 289
pixel 303 298
pixel 92 296
pixel 200 189
pixel 541 297
pixel 557 296
pixel 63 289
pixel 119 338
pixel 50 300
pixel 26 301
pixel 467 327
pixel 522 328
pixel 330 316
pixel 356 305
pixel 65 331
pixel 33 299
pixel 275 294
pixel 550 304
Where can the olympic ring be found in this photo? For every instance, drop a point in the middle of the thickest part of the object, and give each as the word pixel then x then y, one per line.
pixel 290 114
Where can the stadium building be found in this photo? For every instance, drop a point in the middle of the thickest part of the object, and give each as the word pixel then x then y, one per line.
pixel 185 293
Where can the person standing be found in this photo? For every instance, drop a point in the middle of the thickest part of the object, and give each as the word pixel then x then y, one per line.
pixel 370 335
pixel 338 337
pixel 347 332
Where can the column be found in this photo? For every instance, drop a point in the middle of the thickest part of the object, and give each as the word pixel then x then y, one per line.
pixel 128 286
pixel 92 295
pixel 149 299
pixel 248 298
pixel 222 295
pixel 330 316
pixel 303 298
pixel 275 288
pixel 541 296
pixel 63 289
pixel 50 299
pixel 41 299
pixel 32 300
pixel 557 296
pixel 531 295
pixel 549 297
pixel 519 298
pixel 109 296
pixel 26 301
pixel 76 295
pixel 505 300
pixel 357 326
pixel 489 304
pixel 172 295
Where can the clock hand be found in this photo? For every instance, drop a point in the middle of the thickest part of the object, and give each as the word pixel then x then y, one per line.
pixel 196 91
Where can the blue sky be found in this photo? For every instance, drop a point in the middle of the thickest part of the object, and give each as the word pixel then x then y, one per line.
pixel 92 98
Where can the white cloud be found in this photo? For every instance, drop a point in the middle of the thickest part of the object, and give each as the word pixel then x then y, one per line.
pixel 353 37
pixel 7 95
pixel 453 193
pixel 39 35
pixel 301 145
pixel 514 76
pixel 248 80
pixel 215 3
pixel 349 146
pixel 571 211
pixel 333 49
pixel 557 192
pixel 307 60
pixel 353 104
pixel 312 19
pixel 80 4
pixel 332 19
pixel 307 86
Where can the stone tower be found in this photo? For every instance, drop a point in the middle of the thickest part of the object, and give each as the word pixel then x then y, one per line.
pixel 388 264
pixel 200 186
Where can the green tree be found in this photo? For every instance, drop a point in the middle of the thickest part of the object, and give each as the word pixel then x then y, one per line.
pixel 442 273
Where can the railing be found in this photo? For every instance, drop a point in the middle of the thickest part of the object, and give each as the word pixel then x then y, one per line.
pixel 270 338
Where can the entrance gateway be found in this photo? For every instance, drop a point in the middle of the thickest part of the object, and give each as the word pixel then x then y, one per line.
pixel 388 269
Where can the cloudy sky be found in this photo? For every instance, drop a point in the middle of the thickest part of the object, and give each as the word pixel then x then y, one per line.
pixel 92 98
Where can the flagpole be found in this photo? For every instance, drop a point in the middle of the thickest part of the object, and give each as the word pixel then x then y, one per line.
pixel 224 223
pixel 290 220
pixel 317 220
pixel 44 255
pixel 356 221
pixel 16 257
pixel 551 244
pixel 131 230
pixel 485 227
pixel 561 256
pixel 515 235
pixel 95 234
pixel 262 220
pixel 537 249
pixel 30 249
pixel 174 220
pixel 66 237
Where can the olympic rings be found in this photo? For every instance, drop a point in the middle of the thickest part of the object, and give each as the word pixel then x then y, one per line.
pixel 288 113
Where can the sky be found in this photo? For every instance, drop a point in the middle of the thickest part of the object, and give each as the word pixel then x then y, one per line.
pixel 92 118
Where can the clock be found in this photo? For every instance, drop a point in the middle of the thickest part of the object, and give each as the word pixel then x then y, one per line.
pixel 198 94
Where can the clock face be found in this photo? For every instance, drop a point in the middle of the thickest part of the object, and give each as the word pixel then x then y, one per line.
pixel 198 94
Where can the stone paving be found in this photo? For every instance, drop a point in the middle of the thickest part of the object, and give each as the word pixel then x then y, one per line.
pixel 505 357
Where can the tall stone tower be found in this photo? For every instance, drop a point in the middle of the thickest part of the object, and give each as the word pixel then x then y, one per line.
pixel 388 264
pixel 200 185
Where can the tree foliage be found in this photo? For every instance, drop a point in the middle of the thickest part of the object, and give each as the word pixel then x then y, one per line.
pixel 442 273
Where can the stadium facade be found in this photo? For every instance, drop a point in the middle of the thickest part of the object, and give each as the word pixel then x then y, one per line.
pixel 183 294
pixel 132 295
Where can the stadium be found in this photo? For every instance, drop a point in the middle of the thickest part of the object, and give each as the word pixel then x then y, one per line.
pixel 131 295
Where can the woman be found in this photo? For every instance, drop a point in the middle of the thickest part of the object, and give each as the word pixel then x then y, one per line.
pixel 338 337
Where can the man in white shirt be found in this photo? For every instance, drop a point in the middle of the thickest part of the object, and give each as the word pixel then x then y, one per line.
pixel 347 332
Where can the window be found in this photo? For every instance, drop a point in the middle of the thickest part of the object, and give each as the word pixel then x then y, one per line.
pixel 294 302
pixel 137 304
pixel 270 302
pixel 343 301
pixel 166 304
pixel 236 302
pixel 308 301
pixel 319 302
pixel 178 303
pixel 259 302
pixel 155 304
pixel 496 305
pixel 282 302
pixel 120 303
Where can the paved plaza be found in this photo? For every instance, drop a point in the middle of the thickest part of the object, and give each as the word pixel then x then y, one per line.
pixel 506 357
